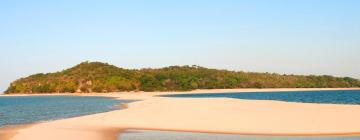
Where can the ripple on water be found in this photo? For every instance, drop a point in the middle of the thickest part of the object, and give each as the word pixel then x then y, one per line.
pixel 28 109
pixel 327 97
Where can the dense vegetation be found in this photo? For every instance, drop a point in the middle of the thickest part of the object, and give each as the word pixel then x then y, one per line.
pixel 102 77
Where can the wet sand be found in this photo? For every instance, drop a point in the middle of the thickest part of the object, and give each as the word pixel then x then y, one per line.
pixel 8 132
pixel 176 135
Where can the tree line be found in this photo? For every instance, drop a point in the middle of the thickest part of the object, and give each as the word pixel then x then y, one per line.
pixel 101 77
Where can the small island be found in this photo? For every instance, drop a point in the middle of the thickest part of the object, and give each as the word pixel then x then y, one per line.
pixel 180 70
pixel 90 77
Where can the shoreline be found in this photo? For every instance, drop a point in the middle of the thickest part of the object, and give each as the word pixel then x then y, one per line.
pixel 253 134
pixel 107 126
pixel 114 94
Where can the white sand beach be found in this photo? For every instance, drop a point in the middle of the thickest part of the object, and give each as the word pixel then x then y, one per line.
pixel 212 115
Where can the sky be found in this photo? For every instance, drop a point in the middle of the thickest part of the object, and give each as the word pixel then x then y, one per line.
pixel 320 37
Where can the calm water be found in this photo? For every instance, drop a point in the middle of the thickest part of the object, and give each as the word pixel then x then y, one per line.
pixel 329 97
pixel 171 135
pixel 20 110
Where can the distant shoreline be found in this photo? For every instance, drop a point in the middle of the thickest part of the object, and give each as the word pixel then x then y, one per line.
pixel 199 115
pixel 180 92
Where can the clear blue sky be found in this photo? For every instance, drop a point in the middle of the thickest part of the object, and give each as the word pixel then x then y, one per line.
pixel 283 36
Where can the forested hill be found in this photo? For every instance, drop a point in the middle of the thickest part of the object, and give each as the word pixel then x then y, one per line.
pixel 102 77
